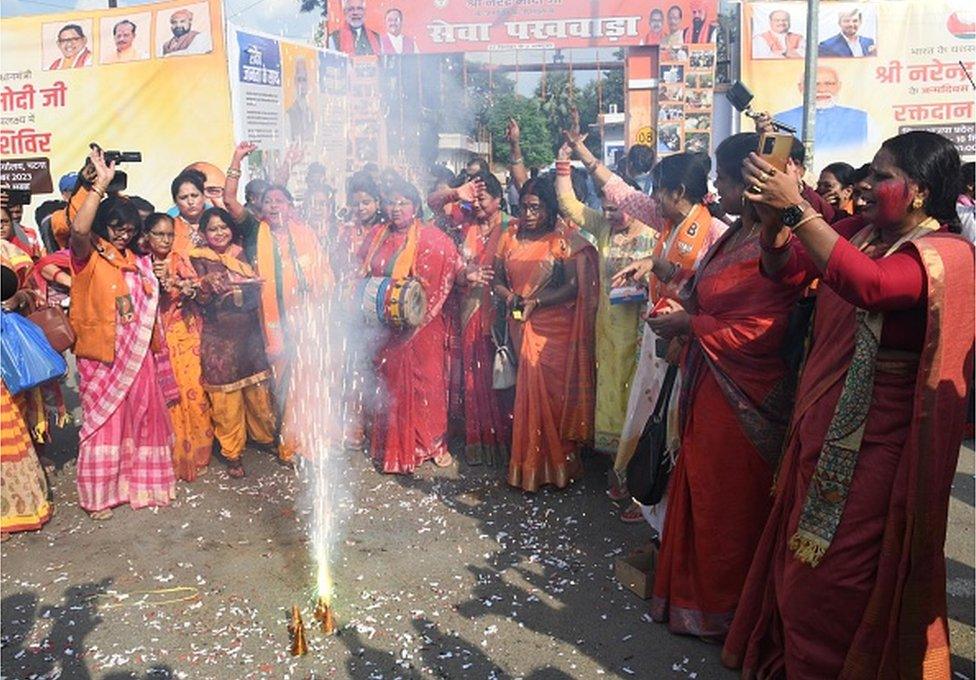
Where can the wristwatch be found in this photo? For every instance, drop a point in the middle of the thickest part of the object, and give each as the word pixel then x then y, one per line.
pixel 791 215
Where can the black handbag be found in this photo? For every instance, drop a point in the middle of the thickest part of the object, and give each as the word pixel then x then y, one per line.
pixel 650 467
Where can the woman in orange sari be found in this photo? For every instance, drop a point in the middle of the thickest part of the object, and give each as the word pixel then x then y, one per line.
pixel 411 364
pixel 192 427
pixel 547 274
pixel 849 578
pixel 288 257
pixel 734 402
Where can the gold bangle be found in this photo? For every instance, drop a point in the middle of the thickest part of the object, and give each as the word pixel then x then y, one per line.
pixel 98 190
pixel 233 173
pixel 805 220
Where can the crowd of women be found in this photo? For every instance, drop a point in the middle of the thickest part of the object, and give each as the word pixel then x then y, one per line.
pixel 541 337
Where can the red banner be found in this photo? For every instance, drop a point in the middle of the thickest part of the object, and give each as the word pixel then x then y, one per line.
pixel 400 27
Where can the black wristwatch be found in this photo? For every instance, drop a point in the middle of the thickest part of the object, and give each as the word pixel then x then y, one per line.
pixel 791 215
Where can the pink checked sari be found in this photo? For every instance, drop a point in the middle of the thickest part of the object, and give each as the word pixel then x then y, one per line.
pixel 126 441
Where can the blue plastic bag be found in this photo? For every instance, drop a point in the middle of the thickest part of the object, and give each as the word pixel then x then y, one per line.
pixel 26 357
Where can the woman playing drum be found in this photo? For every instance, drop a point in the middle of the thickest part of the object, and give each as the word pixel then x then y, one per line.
pixel 410 427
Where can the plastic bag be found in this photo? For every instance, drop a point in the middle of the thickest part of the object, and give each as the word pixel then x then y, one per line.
pixel 26 357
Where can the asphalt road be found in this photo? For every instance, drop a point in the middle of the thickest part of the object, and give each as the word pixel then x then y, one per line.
pixel 448 574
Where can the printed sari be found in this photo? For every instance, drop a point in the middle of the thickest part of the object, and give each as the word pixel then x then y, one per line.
pixel 487 412
pixel 734 403
pixel 555 384
pixel 126 440
pixel 24 504
pixel 849 577
pixel 410 427
pixel 190 417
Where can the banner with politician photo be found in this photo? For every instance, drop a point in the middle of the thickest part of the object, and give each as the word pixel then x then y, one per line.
pixel 883 69
pixel 390 27
pixel 67 75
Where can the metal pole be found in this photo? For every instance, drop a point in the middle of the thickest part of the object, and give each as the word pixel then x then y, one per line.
pixel 810 80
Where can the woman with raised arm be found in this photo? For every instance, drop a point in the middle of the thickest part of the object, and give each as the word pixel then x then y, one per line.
pixel 734 404
pixel 688 230
pixel 125 380
pixel 849 577
pixel 287 255
pixel 547 275
pixel 620 240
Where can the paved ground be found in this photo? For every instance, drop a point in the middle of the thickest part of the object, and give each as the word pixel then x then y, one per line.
pixel 448 574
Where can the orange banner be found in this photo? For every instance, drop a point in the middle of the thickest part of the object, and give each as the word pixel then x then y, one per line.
pixel 397 27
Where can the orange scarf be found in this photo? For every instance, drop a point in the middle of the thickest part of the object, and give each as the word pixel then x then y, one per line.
pixel 402 265
pixel 683 242
pixel 304 274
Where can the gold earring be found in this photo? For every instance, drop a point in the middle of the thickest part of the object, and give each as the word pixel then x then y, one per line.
pixel 917 202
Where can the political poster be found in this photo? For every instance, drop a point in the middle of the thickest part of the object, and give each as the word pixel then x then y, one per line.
pixel 291 99
pixel 883 69
pixel 390 27
pixel 148 78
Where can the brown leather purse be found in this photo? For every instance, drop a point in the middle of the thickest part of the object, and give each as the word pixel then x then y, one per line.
pixel 57 329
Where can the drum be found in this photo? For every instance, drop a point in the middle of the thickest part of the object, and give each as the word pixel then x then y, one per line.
pixel 372 299
pixel 396 304
pixel 406 304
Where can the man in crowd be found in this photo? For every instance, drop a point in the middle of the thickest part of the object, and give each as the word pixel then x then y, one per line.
pixel 836 126
pixel 779 42
pixel 124 35
pixel 848 43
pixel 394 42
pixel 74 48
pixel 185 40
pixel 353 37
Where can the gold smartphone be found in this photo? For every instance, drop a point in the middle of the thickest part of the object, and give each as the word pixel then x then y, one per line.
pixel 774 148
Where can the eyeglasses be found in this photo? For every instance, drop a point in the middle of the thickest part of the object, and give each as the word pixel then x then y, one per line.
pixel 163 235
pixel 397 204
pixel 121 228
pixel 532 208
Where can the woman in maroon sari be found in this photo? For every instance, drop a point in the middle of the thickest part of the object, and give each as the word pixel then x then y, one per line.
pixel 849 577
pixel 410 426
pixel 734 404
pixel 487 413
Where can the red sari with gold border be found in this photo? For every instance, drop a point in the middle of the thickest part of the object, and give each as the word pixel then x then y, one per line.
pixel 874 606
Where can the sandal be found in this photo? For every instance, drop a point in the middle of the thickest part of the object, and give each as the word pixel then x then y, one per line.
pixel 202 470
pixel 101 515
pixel 632 514
pixel 444 460
pixel 235 468
pixel 617 489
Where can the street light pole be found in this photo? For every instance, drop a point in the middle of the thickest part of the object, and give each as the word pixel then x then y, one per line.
pixel 810 80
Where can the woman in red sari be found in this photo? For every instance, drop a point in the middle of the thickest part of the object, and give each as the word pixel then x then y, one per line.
pixel 547 274
pixel 410 426
pixel 849 577
pixel 734 404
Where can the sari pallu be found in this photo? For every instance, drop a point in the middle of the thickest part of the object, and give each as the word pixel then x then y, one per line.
pixel 409 425
pixel 296 276
pixel 734 404
pixel 487 411
pixel 874 605
pixel 190 417
pixel 125 442
pixel 24 503
pixel 555 384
